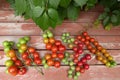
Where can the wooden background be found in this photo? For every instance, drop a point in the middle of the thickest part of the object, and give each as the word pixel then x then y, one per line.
pixel 12 28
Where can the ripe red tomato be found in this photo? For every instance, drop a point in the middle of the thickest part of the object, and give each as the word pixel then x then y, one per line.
pixel 48 46
pixel 62 48
pixel 75 49
pixel 76 55
pixel 36 55
pixel 28 61
pixel 57 64
pixel 50 62
pixel 18 63
pixel 57 42
pixel 96 43
pixel 82 70
pixel 38 61
pixel 93 50
pixel 14 58
pixel 79 37
pixel 54 48
pixel 48 56
pixel 22 71
pixel 31 49
pixel 84 60
pixel 80 63
pixel 87 37
pixel 60 55
pixel 77 68
pixel 92 39
pixel 75 60
pixel 87 42
pixel 13 70
pixel 25 55
pixel 88 56
pixel 83 39
pixel 76 42
pixel 54 55
pixel 99 47
pixel 12 53
pixel 86 66
pixel 85 34
pixel 51 40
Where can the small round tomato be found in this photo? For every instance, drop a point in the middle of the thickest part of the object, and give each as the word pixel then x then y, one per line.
pixel 79 37
pixel 92 39
pixel 76 42
pixel 18 63
pixel 37 61
pixel 75 49
pixel 89 47
pixel 28 61
pixel 93 50
pixel 50 62
pixel 75 60
pixel 99 47
pixel 85 34
pixel 87 42
pixel 36 55
pixel 82 70
pixel 48 46
pixel 96 43
pixel 22 71
pixel 9 63
pixel 87 37
pixel 62 48
pixel 12 53
pixel 83 39
pixel 54 48
pixel 100 58
pixel 51 40
pixel 88 56
pixel 76 55
pixel 84 60
pixel 86 66
pixel 14 58
pixel 57 42
pixel 80 63
pixel 13 70
pixel 57 64
pixel 25 55
pixel 54 55
pixel 31 49
pixel 48 56
pixel 77 68
pixel 23 47
pixel 46 40
pixel 60 55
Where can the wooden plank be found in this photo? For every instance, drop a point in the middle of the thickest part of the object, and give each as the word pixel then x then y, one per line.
pixel 93 61
pixel 8 16
pixel 108 42
pixel 94 73
pixel 74 28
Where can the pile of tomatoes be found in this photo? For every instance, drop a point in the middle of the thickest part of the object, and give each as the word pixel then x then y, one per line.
pixel 25 56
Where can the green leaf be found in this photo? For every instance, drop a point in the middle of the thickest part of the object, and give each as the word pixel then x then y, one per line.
pixel 64 3
pixel 106 21
pixel 38 2
pixel 37 11
pixel 53 14
pixel 114 19
pixel 54 3
pixel 20 6
pixel 81 3
pixel 43 21
pixel 102 16
pixel 73 12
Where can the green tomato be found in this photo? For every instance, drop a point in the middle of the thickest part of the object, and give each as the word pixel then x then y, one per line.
pixel 67 54
pixel 63 60
pixel 108 64
pixel 7 49
pixel 20 51
pixel 6 71
pixel 64 40
pixel 18 45
pixel 72 39
pixel 43 61
pixel 64 34
pixel 70 76
pixel 46 66
pixel 48 31
pixel 75 77
pixel 9 63
pixel 7 54
pixel 77 73
pixel 70 71
pixel 50 35
pixel 71 63
pixel 72 67
pixel 22 41
pixel 62 37
pixel 67 34
pixel 11 43
pixel 6 43
pixel 44 35
pixel 68 41
pixel 27 38
pixel 66 62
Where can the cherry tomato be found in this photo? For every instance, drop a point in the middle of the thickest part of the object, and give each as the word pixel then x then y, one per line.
pixel 62 48
pixel 76 55
pixel 85 34
pixel 77 68
pixel 100 58
pixel 48 56
pixel 95 43
pixel 79 37
pixel 76 42
pixel 86 66
pixel 82 70
pixel 80 63
pixel 22 71
pixel 87 42
pixel 50 62
pixel 103 50
pixel 57 42
pixel 48 46
pixel 31 49
pixel 104 61
pixel 89 47
pixel 87 37
pixel 28 61
pixel 88 56
pixel 75 49
pixel 99 47
pixel 84 60
pixel 25 55
pixel 75 60
pixel 46 40
pixel 60 55
pixel 13 70
pixel 83 39
pixel 12 53
pixel 38 61
pixel 23 47
pixel 93 50
pixel 92 39
pixel 36 55
pixel 54 48
pixel 51 40
pixel 54 55
pixel 14 58
pixel 57 64
pixel 18 63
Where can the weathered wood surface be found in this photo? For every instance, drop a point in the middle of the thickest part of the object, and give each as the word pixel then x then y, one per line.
pixel 94 73
pixel 13 27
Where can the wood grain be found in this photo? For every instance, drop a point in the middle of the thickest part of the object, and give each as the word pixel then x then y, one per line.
pixel 93 61
pixel 94 73
pixel 73 28
pixel 108 42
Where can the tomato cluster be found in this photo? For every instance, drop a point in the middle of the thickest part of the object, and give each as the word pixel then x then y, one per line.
pixel 57 50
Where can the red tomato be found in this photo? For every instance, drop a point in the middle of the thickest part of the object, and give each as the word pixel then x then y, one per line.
pixel 75 60
pixel 60 55
pixel 36 55
pixel 54 48
pixel 13 70
pixel 18 63
pixel 12 53
pixel 92 39
pixel 87 37
pixel 31 49
pixel 75 49
pixel 95 43
pixel 22 71
pixel 25 55
pixel 57 64
pixel 87 42
pixel 28 61
pixel 51 40
pixel 77 68
pixel 76 42
pixel 14 58
pixel 62 48
pixel 47 56
pixel 89 47
pixel 83 39
pixel 80 63
pixel 93 50
pixel 84 33
pixel 50 62
pixel 99 47
pixel 82 70
pixel 48 46
pixel 38 61
pixel 79 37
pixel 57 42
pixel 54 55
